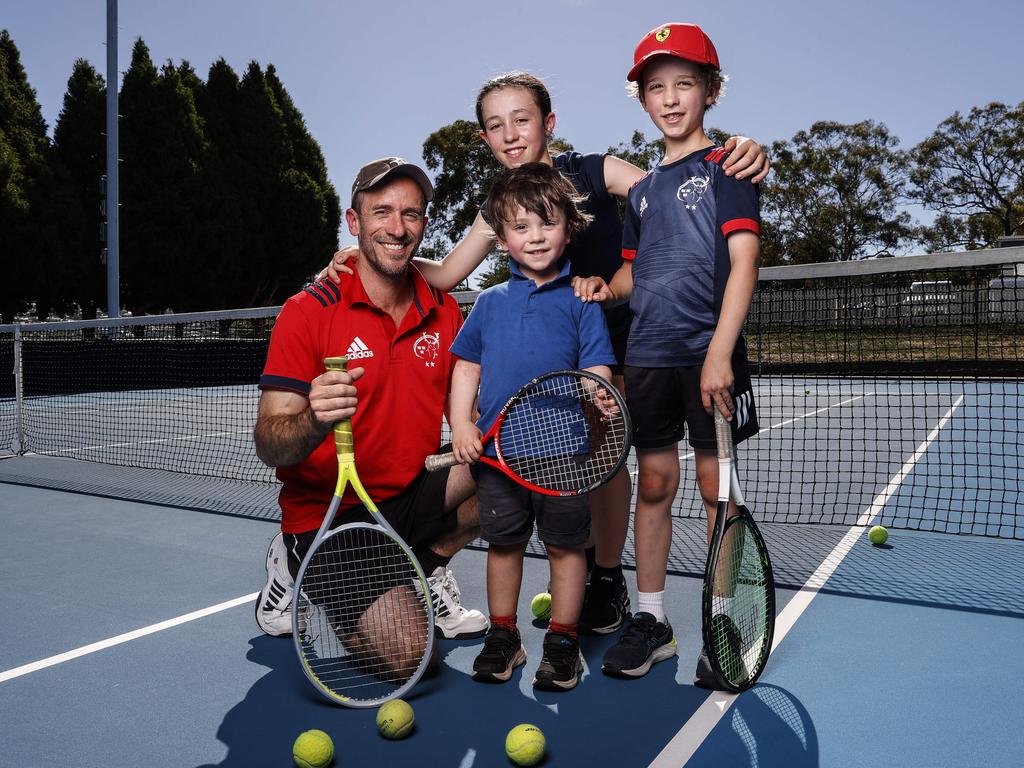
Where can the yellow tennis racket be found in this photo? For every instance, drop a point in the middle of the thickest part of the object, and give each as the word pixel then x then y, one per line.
pixel 363 622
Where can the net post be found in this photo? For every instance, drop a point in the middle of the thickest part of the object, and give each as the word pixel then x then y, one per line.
pixel 19 396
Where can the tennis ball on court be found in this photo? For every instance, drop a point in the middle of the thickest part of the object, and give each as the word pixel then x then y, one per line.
pixel 395 719
pixel 878 534
pixel 313 749
pixel 525 744
pixel 541 605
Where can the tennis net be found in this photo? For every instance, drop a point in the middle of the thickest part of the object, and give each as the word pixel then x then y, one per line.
pixel 893 380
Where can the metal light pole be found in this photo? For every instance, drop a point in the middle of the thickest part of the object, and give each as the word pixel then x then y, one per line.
pixel 113 198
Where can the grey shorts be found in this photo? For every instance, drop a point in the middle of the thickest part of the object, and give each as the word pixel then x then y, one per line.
pixel 508 512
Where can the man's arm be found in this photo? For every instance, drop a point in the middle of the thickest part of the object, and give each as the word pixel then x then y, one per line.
pixel 289 426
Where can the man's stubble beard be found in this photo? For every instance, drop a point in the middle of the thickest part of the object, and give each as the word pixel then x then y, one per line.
pixel 389 270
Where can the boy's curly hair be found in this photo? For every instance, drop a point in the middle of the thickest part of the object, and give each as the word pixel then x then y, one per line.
pixel 538 188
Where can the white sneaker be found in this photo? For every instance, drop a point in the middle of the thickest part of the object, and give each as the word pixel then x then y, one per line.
pixel 274 606
pixel 451 620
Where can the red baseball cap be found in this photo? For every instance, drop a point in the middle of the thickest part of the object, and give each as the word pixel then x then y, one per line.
pixel 684 41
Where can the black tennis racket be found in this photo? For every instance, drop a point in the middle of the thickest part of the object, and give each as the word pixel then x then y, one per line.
pixel 562 434
pixel 363 622
pixel 738 602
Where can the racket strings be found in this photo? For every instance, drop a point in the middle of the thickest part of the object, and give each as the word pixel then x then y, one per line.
pixel 363 615
pixel 566 433
pixel 740 605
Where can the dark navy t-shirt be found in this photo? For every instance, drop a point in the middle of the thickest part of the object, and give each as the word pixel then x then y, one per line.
pixel 597 250
pixel 678 218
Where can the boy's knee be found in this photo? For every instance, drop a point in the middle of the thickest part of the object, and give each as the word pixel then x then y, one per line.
pixel 655 487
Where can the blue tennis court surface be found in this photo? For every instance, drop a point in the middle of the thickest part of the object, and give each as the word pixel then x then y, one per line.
pixel 904 657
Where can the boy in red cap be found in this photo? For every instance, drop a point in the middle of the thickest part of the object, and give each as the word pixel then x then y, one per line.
pixel 690 247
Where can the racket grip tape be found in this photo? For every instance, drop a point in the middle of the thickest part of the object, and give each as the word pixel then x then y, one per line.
pixel 723 435
pixel 343 429
pixel 438 461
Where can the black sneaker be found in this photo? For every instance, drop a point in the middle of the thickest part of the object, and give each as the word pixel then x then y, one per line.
pixel 730 652
pixel 704 677
pixel 502 652
pixel 605 605
pixel 644 641
pixel 562 664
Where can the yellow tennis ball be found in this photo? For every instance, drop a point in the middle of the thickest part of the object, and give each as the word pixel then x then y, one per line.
pixel 878 534
pixel 541 605
pixel 395 719
pixel 313 749
pixel 525 744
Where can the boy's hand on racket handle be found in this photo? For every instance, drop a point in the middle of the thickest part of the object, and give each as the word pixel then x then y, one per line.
pixel 466 443
pixel 337 265
pixel 716 380
pixel 332 397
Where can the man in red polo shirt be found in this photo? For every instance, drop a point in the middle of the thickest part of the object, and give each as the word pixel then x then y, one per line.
pixel 395 330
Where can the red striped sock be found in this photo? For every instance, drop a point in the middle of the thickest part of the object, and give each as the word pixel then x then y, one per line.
pixel 562 629
pixel 507 623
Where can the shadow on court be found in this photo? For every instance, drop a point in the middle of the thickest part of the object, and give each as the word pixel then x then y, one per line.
pixel 766 727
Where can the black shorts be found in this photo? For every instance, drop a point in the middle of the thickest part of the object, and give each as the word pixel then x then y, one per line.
pixel 663 402
pixel 508 511
pixel 417 514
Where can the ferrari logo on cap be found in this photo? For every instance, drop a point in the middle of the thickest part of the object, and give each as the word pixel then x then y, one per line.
pixel 662 34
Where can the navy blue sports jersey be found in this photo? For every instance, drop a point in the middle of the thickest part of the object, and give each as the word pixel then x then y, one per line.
pixel 677 220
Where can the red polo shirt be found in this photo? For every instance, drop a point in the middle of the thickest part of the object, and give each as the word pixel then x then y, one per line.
pixel 401 395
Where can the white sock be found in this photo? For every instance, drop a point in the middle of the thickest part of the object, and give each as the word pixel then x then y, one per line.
pixel 653 603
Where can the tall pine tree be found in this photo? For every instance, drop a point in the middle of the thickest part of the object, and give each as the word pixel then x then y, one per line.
pixel 23 168
pixel 79 146
pixel 162 148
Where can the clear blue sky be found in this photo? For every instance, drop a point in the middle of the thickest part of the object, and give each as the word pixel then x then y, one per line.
pixel 375 78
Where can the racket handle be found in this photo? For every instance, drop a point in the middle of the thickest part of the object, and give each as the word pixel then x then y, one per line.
pixel 343 444
pixel 723 435
pixel 438 461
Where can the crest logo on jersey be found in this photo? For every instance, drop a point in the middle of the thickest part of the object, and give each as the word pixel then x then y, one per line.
pixel 428 348
pixel 662 34
pixel 643 205
pixel 692 192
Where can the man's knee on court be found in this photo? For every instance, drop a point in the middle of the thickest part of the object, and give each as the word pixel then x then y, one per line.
pixel 393 630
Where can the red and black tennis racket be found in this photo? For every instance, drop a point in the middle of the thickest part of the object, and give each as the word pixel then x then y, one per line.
pixel 562 434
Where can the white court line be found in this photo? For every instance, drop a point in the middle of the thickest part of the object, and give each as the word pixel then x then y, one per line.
pixel 807 415
pixel 689 738
pixel 35 666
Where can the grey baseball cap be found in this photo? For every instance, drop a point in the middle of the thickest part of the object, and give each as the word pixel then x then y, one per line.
pixel 373 173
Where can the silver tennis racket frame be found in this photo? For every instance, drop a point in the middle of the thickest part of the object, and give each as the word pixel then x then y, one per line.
pixel 322 535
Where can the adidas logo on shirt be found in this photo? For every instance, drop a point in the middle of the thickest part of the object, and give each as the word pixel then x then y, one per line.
pixel 357 350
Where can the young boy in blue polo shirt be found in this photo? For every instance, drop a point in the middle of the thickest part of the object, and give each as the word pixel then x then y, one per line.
pixel 531 325
pixel 691 245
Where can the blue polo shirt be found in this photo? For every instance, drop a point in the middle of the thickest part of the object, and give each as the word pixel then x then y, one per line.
pixel 678 220
pixel 519 330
